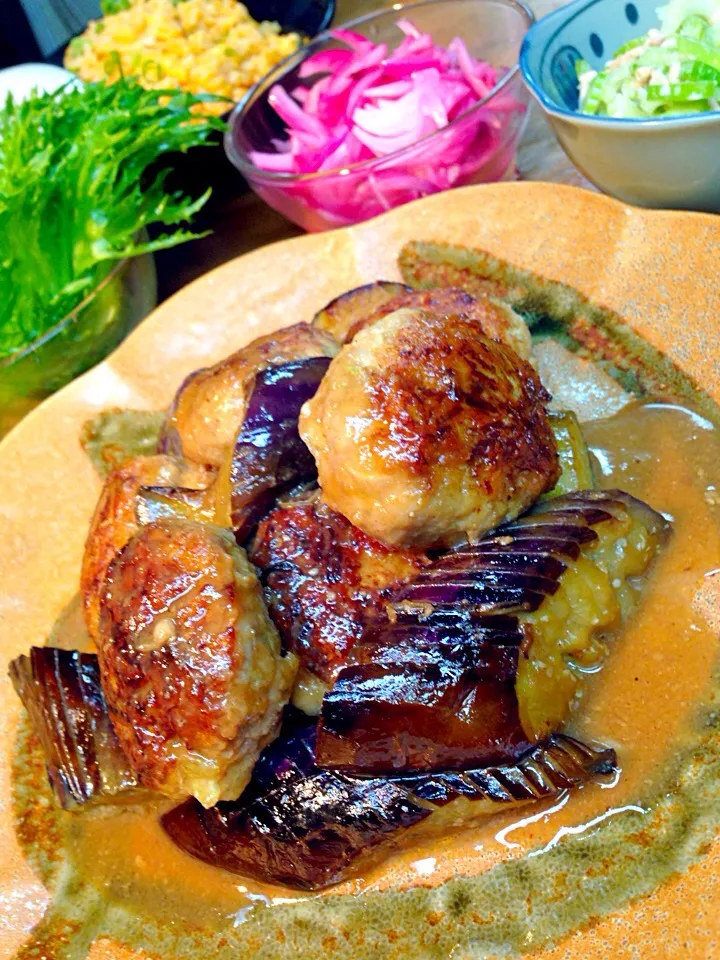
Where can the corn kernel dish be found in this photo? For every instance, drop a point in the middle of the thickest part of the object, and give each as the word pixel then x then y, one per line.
pixel 201 46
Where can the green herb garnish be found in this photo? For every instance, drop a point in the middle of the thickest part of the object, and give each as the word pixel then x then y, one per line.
pixel 76 46
pixel 81 177
pixel 108 7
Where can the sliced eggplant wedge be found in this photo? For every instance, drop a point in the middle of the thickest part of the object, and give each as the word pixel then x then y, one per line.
pixel 344 313
pixel 424 697
pixel 210 405
pixel 269 457
pixel 483 653
pixel 62 695
pixel 323 579
pixel 575 463
pixel 308 828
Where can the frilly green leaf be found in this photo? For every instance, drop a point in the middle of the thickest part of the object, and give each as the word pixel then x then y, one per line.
pixel 81 178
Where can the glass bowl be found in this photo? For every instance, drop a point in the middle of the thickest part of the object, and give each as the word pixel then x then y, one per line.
pixel 79 341
pixel 493 31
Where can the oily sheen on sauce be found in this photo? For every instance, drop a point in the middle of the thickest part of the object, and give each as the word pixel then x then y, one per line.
pixel 644 703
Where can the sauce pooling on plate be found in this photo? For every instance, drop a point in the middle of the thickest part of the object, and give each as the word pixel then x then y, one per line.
pixel 665 454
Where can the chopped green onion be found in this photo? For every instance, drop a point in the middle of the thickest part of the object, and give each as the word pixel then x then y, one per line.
pixel 682 108
pixel 694 70
pixel 109 7
pixel 684 90
pixel 77 45
pixel 595 94
pixel 655 57
pixel 581 67
pixel 630 45
pixel 695 26
pixel 700 51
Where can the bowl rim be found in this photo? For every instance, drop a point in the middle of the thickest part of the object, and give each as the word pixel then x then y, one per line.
pixel 563 16
pixel 253 172
pixel 71 317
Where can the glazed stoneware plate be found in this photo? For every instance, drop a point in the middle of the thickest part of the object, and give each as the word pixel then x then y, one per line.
pixel 625 869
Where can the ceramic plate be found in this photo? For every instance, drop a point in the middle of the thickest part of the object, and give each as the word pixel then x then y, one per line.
pixel 659 272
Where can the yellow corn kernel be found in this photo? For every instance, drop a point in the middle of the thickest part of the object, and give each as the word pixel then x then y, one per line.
pixel 203 46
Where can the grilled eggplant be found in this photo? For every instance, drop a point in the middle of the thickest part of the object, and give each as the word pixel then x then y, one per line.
pixel 308 828
pixel 344 315
pixel 424 697
pixel 295 823
pixel 575 464
pixel 323 578
pixel 483 653
pixel 62 695
pixel 211 403
pixel 269 456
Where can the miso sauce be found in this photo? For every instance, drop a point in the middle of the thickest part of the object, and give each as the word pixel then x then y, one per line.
pixel 644 702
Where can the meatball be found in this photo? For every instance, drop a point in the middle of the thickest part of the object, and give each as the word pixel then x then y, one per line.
pixel 427 433
pixel 190 662
pixel 210 405
pixel 116 519
pixel 323 578
pixel 495 319
pixel 346 315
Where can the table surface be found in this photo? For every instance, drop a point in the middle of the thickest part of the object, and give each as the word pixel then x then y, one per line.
pixel 242 222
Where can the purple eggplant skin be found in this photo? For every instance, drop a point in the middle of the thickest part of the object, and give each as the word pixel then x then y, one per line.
pixel 294 825
pixel 269 456
pixel 424 697
pixel 349 312
pixel 62 694
pixel 307 828
pixel 431 686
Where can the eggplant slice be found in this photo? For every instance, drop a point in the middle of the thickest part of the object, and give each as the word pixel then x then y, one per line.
pixel 575 463
pixel 269 457
pixel 62 695
pixel 294 824
pixel 482 654
pixel 308 828
pixel 344 315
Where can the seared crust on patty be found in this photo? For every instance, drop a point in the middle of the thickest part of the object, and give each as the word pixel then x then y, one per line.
pixel 323 579
pixel 190 662
pixel 115 519
pixel 426 433
pixel 495 319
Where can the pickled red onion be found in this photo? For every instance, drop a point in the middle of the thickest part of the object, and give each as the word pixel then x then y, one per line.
pixel 358 102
